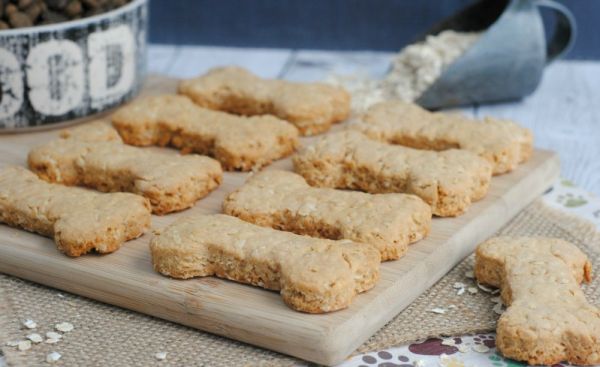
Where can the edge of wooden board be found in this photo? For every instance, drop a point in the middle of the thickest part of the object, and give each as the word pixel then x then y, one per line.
pixel 328 342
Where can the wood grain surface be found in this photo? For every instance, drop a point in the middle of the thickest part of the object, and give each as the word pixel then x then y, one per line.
pixel 126 279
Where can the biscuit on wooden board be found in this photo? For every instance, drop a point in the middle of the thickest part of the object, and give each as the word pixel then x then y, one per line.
pixel 449 181
pixel 171 182
pixel 283 200
pixel 314 275
pixel 238 142
pixel 503 143
pixel 548 319
pixel 311 107
pixel 79 220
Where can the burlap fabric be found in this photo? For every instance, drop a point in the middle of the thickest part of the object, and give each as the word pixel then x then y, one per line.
pixel 109 336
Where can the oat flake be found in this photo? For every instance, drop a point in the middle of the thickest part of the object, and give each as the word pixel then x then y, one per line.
pixel 53 335
pixel 53 357
pixel 480 348
pixel 65 327
pixel 463 348
pixel 24 345
pixel 438 310
pixel 419 363
pixel 30 324
pixel 35 338
pixel 161 356
pixel 472 290
pixel 12 343
pixel 469 274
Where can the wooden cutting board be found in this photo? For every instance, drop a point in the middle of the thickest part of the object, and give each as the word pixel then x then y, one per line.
pixel 126 279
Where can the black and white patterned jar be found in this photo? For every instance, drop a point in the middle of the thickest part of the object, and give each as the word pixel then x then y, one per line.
pixel 67 71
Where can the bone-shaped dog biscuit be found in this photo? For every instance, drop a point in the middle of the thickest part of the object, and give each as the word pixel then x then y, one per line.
pixel 99 130
pixel 311 107
pixel 78 219
pixel 448 181
pixel 171 182
pixel 283 200
pixel 313 275
pixel 238 142
pixel 503 143
pixel 548 319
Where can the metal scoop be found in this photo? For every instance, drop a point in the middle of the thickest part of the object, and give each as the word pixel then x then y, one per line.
pixel 507 61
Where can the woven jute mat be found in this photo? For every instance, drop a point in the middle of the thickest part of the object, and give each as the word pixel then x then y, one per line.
pixel 105 335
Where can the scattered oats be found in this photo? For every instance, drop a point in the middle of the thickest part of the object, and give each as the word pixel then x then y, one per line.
pixel 438 310
pixel 60 295
pixel 495 291
pixel 469 274
pixel 472 290
pixel 24 345
pixel 484 288
pixel 460 292
pixel 480 348
pixel 65 327
pixel 449 342
pixel 498 308
pixel 53 357
pixel 463 348
pixel 30 324
pixel 419 363
pixel 35 338
pixel 458 285
pixel 161 356
pixel 53 335
pixel 452 307
pixel 12 343
pixel 51 341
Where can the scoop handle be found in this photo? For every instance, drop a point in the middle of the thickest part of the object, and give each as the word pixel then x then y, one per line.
pixel 565 30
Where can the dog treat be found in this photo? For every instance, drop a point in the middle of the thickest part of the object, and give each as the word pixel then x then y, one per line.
pixel 313 275
pixel 548 319
pixel 448 181
pixel 312 107
pixel 283 200
pixel 99 130
pixel 171 182
pixel 503 143
pixel 239 143
pixel 80 220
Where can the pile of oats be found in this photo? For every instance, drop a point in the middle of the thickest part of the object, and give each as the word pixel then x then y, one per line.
pixel 414 69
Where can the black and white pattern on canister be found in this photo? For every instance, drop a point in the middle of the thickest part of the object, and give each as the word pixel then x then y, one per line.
pixel 69 70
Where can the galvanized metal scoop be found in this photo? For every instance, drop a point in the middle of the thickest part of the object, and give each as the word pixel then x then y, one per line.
pixel 507 61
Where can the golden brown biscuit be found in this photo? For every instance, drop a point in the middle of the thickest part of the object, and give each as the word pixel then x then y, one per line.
pixel 239 143
pixel 313 275
pixel 448 181
pixel 171 182
pixel 98 130
pixel 311 107
pixel 503 143
pixel 283 200
pixel 79 220
pixel 548 319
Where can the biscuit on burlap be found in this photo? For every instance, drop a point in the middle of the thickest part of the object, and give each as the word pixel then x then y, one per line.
pixel 313 275
pixel 503 143
pixel 283 200
pixel 311 107
pixel 78 219
pixel 548 319
pixel 238 142
pixel 449 181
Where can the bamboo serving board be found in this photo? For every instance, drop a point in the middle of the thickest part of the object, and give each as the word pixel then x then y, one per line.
pixel 126 279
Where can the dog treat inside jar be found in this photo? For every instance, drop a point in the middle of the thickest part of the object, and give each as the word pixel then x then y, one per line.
pixel 27 13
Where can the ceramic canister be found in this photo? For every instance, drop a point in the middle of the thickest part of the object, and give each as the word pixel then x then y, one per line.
pixel 66 71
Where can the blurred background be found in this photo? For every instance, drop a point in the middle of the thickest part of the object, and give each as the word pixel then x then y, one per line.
pixel 383 25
